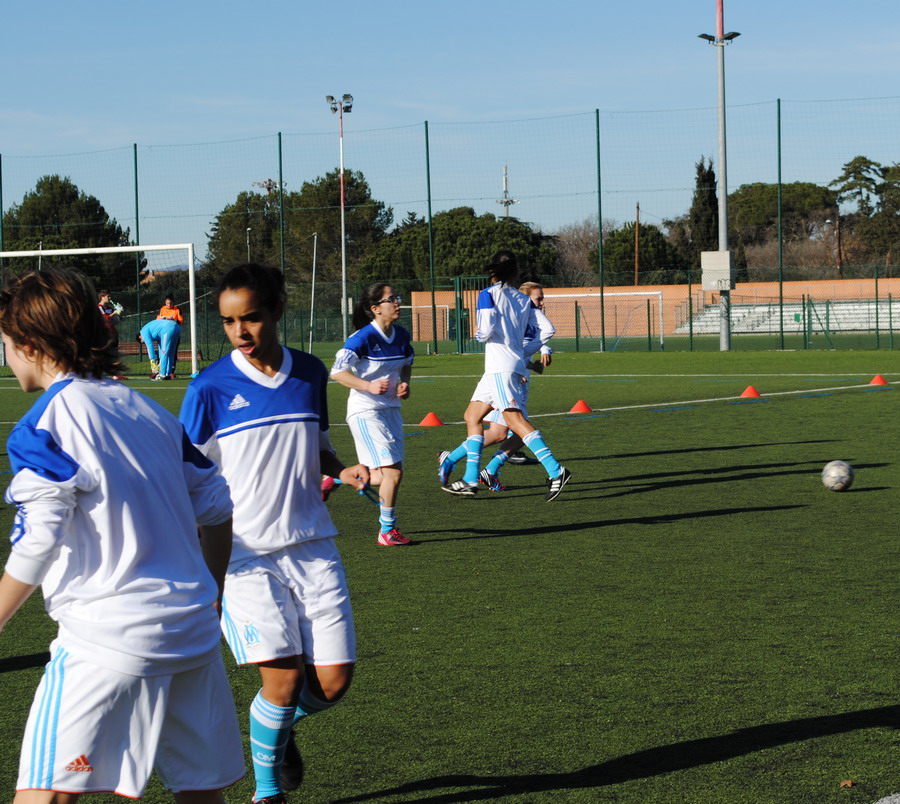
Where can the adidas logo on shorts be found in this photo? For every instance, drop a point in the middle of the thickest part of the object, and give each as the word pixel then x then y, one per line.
pixel 82 763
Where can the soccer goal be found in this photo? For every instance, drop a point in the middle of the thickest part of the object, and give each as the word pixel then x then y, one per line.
pixel 420 321
pixel 126 277
pixel 626 314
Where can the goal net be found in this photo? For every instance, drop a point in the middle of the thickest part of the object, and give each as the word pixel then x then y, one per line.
pixel 137 277
pixel 624 314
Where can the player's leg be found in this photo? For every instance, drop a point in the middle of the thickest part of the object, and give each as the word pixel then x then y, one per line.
pixel 557 475
pixel 388 487
pixel 474 416
pixel 166 341
pixel 44 797
pixel 328 637
pixel 148 332
pixel 495 434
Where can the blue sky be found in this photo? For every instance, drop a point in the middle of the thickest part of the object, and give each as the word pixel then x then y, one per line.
pixel 98 75
pixel 101 74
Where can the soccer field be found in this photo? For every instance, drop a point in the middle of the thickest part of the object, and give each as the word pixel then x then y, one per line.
pixel 695 619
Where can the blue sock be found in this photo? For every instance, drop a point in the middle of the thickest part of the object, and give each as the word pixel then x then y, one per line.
pixel 270 729
pixel 458 454
pixel 535 442
pixel 309 704
pixel 474 445
pixel 497 462
pixel 387 519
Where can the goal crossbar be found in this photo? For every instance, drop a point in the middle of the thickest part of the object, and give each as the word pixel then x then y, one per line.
pixel 192 291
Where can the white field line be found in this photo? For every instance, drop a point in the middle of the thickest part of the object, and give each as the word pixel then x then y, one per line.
pixel 658 404
pixel 698 401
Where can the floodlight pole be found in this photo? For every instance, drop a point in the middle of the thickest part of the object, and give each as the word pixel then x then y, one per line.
pixel 719 41
pixel 345 104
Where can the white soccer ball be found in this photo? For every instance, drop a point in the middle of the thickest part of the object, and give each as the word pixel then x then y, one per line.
pixel 837 476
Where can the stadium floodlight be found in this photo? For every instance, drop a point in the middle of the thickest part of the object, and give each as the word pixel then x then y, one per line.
pixel 345 104
pixel 719 41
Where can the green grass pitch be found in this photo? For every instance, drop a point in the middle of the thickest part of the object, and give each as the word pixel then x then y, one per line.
pixel 695 619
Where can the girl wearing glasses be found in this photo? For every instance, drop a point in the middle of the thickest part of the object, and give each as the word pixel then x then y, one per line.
pixel 375 364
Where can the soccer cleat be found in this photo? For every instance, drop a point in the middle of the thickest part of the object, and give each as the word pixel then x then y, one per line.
pixel 461 488
pixel 444 467
pixel 491 481
pixel 292 766
pixel 157 378
pixel 520 458
pixel 328 485
pixel 392 538
pixel 555 484
pixel 276 799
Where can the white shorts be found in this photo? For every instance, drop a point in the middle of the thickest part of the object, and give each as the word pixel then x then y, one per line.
pixel 378 435
pixel 294 602
pixel 503 391
pixel 497 415
pixel 92 729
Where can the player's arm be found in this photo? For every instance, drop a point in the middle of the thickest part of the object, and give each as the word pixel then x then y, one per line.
pixel 342 372
pixel 13 593
pixel 356 476
pixel 485 316
pixel 403 385
pixel 215 542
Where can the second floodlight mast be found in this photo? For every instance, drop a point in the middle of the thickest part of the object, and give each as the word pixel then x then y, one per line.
pixel 345 104
pixel 718 266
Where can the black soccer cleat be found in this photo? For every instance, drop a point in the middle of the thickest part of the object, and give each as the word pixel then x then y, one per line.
pixel 291 766
pixel 461 488
pixel 555 484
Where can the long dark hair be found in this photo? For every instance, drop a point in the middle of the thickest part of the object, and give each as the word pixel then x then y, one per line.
pixel 362 312
pixel 55 311
pixel 264 281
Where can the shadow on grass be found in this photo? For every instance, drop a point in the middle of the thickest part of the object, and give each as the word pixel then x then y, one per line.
pixel 722 448
pixel 569 527
pixel 641 764
pixel 13 663
pixel 721 474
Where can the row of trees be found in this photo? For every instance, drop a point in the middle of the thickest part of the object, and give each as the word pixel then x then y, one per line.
pixel 817 226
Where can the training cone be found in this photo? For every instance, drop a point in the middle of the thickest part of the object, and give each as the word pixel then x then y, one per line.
pixel 431 420
pixel 580 407
pixel 750 392
pixel 878 380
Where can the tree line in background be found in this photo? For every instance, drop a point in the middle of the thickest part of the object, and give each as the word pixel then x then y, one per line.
pixel 847 226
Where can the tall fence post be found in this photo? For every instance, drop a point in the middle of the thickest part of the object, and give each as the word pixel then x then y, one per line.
pixel 877 321
pixel 780 238
pixel 284 317
pixel 600 238
pixel 649 326
pixel 430 240
pixel 137 238
pixel 577 327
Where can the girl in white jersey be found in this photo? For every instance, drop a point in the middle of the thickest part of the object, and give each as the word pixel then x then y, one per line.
pixel 136 678
pixel 262 413
pixel 504 317
pixel 375 364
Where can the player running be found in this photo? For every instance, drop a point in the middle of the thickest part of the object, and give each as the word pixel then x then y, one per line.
pixel 498 432
pixel 375 364
pixel 261 412
pixel 135 679
pixel 504 315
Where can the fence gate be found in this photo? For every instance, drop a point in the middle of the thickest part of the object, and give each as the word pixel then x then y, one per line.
pixel 465 292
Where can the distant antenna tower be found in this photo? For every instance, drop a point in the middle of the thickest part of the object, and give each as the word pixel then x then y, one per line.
pixel 506 201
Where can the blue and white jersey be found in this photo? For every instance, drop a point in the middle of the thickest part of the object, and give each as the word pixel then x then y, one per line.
pixel 504 314
pixel 370 354
pixel 537 335
pixel 109 492
pixel 266 434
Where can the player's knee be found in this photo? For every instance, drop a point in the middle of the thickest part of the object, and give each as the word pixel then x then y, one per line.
pixel 330 683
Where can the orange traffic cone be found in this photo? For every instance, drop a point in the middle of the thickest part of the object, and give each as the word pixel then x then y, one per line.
pixel 878 380
pixel 580 407
pixel 431 420
pixel 750 392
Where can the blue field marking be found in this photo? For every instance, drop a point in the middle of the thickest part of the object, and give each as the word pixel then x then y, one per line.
pixel 408 435
pixel 879 388
pixel 592 416
pixel 672 410
pixel 811 396
pixel 746 401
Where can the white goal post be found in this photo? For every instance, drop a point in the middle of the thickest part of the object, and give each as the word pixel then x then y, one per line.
pixel 188 248
pixel 550 295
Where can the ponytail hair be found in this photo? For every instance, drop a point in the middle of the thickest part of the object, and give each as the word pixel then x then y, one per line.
pixel 362 311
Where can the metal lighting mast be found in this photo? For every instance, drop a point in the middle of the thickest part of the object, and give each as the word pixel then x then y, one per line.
pixel 506 202
pixel 345 104
pixel 718 267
